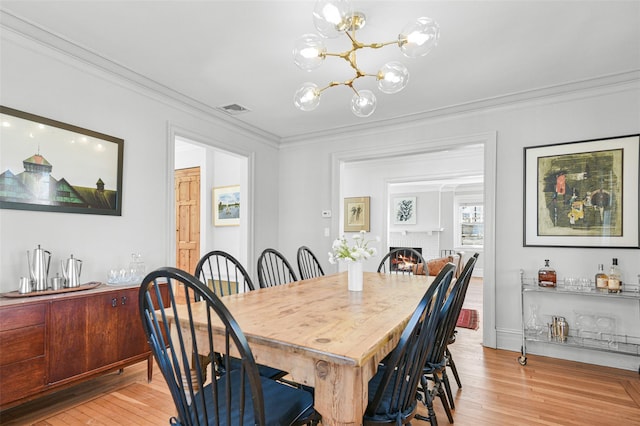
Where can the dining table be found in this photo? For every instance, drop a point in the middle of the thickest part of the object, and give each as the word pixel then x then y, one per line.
pixel 322 334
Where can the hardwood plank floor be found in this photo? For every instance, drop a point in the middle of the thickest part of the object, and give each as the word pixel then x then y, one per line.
pixel 496 391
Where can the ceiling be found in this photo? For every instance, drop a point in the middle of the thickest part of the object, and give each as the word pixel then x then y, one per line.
pixel 215 53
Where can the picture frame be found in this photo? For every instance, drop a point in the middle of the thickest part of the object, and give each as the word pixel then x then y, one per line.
pixel 582 194
pixel 226 205
pixel 403 210
pixel 357 214
pixel 48 165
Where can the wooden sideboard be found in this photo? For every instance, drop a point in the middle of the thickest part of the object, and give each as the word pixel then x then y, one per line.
pixel 50 342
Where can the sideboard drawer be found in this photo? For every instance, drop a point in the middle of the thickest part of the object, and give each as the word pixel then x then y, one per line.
pixel 22 316
pixel 21 379
pixel 21 344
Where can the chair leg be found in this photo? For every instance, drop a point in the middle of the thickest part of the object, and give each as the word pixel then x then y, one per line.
pixel 452 365
pixel 428 402
pixel 447 388
pixel 443 397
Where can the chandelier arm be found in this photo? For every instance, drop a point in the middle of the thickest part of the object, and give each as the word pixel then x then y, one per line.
pixel 379 45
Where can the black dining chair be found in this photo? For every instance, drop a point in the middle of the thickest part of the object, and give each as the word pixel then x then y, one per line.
pixel 308 264
pixel 274 269
pixel 465 276
pixel 203 396
pixel 401 260
pixel 393 389
pixel 435 368
pixel 225 275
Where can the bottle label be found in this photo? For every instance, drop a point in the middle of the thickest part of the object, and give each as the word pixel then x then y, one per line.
pixel 547 279
pixel 614 284
pixel 602 282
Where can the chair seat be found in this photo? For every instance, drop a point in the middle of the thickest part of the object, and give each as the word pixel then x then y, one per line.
pixel 265 371
pixel 382 414
pixel 282 403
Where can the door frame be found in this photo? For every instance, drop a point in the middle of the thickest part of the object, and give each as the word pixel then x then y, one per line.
pixel 174 131
pixel 489 141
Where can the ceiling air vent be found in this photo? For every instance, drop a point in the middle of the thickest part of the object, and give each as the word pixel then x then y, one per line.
pixel 234 109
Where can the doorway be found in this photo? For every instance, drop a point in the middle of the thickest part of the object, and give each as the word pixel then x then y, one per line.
pixel 411 165
pixel 217 167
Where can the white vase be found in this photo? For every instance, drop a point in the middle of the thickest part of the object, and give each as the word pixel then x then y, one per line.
pixel 355 276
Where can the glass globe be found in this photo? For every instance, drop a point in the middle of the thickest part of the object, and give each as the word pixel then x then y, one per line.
pixel 363 103
pixel 307 97
pixel 308 51
pixel 418 38
pixel 392 77
pixel 331 17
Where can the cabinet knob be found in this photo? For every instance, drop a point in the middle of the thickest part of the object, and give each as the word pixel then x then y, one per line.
pixel 124 300
pixel 114 302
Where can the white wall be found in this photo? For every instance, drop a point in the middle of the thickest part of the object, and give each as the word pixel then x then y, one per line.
pixel 43 82
pixel 580 114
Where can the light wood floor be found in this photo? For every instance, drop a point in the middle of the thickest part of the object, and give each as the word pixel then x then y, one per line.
pixel 496 391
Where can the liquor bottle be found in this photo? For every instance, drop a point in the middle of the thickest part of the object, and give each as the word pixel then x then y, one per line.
pixel 546 275
pixel 602 280
pixel 614 283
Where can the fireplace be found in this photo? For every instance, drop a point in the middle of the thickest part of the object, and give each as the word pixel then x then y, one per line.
pixel 403 260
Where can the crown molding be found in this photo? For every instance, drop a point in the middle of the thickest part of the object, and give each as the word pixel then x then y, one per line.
pixel 597 86
pixel 56 43
pixel 30 31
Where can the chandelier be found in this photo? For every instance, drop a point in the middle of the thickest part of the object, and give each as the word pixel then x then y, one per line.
pixel 333 18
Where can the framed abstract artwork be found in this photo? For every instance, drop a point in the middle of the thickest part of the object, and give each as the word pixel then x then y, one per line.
pixel 582 194
pixel 356 214
pixel 226 205
pixel 47 165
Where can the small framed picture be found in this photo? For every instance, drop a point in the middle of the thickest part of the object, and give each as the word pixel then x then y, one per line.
pixel 356 214
pixel 226 205
pixel 403 211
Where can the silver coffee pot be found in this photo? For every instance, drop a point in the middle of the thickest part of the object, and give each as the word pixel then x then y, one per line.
pixel 71 269
pixel 39 267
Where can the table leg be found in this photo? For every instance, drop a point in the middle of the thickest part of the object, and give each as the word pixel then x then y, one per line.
pixel 340 394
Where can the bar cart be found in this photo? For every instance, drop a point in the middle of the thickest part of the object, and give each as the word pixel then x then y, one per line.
pixel 589 331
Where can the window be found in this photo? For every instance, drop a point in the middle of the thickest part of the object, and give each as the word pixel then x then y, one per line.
pixel 471 224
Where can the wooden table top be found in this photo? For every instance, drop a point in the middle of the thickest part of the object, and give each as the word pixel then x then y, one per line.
pixel 322 317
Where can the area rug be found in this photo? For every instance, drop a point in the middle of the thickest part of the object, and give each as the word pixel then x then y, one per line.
pixel 468 318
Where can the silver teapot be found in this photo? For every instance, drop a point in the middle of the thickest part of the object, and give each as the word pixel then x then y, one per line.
pixel 39 268
pixel 71 269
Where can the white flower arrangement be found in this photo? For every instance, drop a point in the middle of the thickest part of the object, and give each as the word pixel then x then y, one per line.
pixel 360 249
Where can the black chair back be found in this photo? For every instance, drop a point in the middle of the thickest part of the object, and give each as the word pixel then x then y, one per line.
pixel 393 390
pixel 203 395
pixel 308 264
pixel 274 269
pixel 401 260
pixel 450 312
pixel 223 273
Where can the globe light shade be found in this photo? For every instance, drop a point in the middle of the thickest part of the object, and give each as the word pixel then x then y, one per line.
pixel 307 97
pixel 417 39
pixel 331 17
pixel 392 77
pixel 309 51
pixel 363 103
